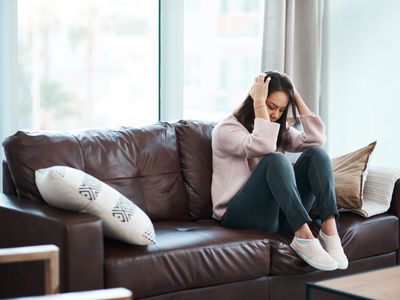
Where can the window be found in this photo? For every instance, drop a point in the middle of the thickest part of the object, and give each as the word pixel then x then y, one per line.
pixel 87 63
pixel 95 63
pixel 222 55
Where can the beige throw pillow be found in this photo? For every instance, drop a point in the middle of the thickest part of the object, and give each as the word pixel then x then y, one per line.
pixel 350 172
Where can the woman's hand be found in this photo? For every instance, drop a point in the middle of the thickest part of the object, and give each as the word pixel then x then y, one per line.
pixel 259 90
pixel 296 93
pixel 259 94
pixel 301 106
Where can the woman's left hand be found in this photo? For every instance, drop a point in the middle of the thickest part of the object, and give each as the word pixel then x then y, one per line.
pixel 296 93
pixel 302 108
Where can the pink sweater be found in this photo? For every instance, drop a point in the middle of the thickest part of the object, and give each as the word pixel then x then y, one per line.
pixel 236 152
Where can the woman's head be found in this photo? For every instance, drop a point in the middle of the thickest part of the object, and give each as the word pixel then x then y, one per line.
pixel 280 98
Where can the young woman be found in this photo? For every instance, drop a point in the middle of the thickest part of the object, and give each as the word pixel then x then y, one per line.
pixel 255 186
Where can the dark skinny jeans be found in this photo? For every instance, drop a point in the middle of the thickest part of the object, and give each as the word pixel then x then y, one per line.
pixel 279 196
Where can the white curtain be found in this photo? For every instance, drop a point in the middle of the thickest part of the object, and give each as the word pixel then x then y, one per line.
pixel 293 42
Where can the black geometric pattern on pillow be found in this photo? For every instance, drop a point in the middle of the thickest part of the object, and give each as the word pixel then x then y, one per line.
pixel 149 235
pixel 123 210
pixel 90 188
pixel 60 171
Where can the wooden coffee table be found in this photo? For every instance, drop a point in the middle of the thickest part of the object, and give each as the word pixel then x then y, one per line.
pixel 49 254
pixel 379 284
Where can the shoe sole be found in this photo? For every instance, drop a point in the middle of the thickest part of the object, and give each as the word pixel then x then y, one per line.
pixel 314 264
pixel 342 267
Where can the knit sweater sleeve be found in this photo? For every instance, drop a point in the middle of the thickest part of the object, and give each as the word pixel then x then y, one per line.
pixel 231 137
pixel 313 134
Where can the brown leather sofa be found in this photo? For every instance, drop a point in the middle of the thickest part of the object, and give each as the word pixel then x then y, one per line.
pixel 166 170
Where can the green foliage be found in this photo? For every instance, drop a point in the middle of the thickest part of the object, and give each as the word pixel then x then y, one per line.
pixel 55 98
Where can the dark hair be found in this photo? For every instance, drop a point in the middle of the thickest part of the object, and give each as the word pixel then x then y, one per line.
pixel 245 113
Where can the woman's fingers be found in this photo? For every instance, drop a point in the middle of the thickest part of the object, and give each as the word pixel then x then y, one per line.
pixel 260 78
pixel 259 90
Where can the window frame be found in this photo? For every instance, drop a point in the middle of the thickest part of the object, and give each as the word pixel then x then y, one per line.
pixel 170 59
pixel 8 71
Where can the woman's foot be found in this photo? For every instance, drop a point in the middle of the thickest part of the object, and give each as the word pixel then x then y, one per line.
pixel 311 251
pixel 333 246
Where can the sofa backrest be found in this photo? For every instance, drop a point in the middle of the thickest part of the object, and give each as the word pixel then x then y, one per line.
pixel 164 168
pixel 194 144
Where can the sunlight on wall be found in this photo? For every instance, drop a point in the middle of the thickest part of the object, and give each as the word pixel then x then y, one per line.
pixel 364 89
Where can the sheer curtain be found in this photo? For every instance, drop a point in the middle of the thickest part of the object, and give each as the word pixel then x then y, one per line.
pixel 293 43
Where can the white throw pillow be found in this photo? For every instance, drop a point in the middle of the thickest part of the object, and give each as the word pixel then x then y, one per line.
pixel 72 189
pixel 378 191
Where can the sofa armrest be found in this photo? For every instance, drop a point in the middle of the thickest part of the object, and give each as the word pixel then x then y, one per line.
pixel 8 184
pixel 79 237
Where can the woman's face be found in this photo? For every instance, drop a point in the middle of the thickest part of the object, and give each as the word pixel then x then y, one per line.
pixel 277 102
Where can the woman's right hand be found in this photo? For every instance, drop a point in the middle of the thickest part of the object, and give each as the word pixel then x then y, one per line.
pixel 259 94
pixel 259 90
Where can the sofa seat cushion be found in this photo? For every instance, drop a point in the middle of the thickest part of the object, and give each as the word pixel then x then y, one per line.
pixel 361 238
pixel 187 255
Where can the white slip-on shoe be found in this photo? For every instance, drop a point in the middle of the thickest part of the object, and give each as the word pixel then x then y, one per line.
pixel 333 245
pixel 311 251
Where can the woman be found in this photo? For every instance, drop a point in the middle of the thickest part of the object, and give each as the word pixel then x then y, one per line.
pixel 254 185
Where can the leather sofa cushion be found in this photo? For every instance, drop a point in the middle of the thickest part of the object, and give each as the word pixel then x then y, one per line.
pixel 187 255
pixel 361 238
pixel 141 163
pixel 195 155
pixel 28 151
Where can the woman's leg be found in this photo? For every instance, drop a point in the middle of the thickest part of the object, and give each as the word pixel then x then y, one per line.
pixel 314 177
pixel 270 189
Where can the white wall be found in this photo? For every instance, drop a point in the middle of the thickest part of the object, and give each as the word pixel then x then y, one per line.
pixel 364 78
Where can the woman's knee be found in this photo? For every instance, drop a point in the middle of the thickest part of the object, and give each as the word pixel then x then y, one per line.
pixel 276 159
pixel 317 157
pixel 316 153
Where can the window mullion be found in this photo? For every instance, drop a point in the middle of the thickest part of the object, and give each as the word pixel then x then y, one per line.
pixel 8 68
pixel 171 59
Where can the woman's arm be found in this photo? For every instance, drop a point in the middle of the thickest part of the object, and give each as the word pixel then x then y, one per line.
pixel 313 133
pixel 259 94
pixel 301 105
pixel 231 137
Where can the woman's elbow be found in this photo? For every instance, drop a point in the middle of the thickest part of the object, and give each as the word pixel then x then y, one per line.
pixel 321 141
pixel 267 149
pixel 270 149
